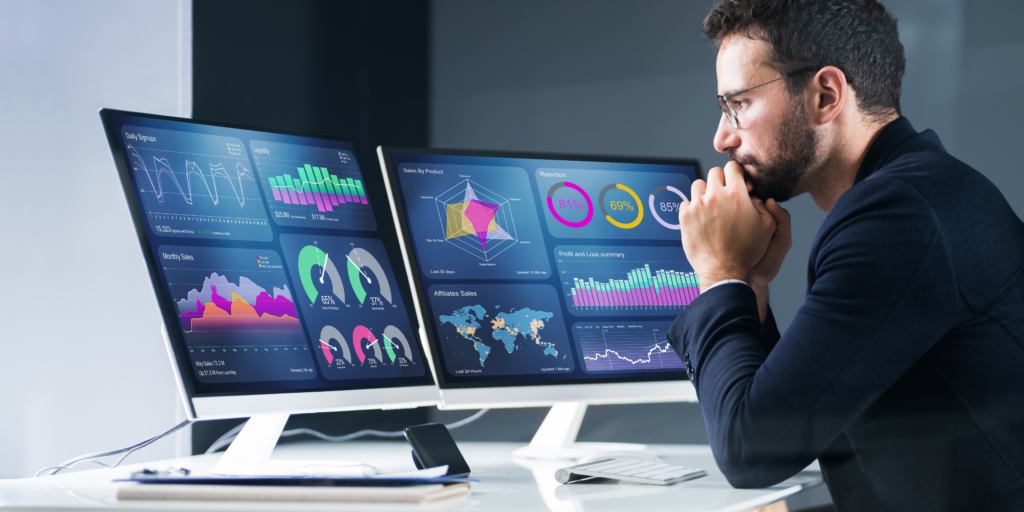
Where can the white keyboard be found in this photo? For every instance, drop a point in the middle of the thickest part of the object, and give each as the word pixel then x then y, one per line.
pixel 629 470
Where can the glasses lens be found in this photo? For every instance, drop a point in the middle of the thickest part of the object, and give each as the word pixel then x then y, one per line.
pixel 729 114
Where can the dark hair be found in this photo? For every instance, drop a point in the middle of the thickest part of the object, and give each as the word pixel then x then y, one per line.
pixel 857 36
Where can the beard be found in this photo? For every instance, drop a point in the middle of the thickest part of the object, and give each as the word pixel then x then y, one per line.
pixel 796 144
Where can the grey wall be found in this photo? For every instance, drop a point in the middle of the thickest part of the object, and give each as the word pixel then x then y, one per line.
pixel 83 367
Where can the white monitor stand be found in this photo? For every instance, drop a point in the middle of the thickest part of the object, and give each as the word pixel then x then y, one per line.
pixel 556 437
pixel 249 454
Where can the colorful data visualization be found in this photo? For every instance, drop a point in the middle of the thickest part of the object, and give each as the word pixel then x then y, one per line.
pixel 625 280
pixel 602 204
pixel 313 187
pixel 473 222
pixel 238 314
pixel 500 330
pixel 349 297
pixel 625 346
pixel 194 185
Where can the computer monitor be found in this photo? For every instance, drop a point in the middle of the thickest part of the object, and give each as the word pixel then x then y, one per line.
pixel 545 279
pixel 273 260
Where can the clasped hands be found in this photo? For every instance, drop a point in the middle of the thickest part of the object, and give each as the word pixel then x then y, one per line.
pixel 728 234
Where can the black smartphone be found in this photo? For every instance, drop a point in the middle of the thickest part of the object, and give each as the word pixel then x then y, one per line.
pixel 433 446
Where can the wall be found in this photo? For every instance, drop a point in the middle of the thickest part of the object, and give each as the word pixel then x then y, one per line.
pixel 83 367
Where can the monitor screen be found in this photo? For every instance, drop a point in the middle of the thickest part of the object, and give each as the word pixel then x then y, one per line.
pixel 536 269
pixel 272 265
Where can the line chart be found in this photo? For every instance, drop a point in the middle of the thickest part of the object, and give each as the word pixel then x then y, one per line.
pixel 196 185
pixel 162 165
pixel 634 346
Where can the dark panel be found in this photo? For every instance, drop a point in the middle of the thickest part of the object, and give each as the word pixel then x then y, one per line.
pixel 352 69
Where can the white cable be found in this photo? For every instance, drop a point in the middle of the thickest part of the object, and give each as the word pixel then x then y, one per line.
pixel 126 451
pixel 230 435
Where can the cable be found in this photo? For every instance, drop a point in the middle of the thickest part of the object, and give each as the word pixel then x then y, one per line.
pixel 230 435
pixel 126 451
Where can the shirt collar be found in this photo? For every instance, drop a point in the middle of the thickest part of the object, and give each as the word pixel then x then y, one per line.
pixel 894 134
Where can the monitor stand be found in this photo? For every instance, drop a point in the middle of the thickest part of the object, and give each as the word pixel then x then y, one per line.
pixel 249 454
pixel 556 437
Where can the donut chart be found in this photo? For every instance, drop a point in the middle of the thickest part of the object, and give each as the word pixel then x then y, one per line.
pixel 654 211
pixel 551 204
pixel 639 206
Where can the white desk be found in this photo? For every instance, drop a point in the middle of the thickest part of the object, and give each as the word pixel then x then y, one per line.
pixel 504 484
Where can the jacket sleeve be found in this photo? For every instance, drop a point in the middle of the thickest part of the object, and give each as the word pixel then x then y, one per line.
pixel 882 293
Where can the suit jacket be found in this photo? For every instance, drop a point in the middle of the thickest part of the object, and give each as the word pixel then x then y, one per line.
pixel 903 371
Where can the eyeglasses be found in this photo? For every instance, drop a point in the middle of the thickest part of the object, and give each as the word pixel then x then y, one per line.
pixel 725 102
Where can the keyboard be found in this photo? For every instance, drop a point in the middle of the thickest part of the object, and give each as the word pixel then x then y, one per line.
pixel 629 470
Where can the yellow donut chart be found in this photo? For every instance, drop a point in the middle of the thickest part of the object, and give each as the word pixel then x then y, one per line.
pixel 636 198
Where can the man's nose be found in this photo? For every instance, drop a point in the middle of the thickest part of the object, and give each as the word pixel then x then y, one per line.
pixel 726 138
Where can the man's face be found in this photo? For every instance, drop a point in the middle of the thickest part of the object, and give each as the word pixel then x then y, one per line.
pixel 775 142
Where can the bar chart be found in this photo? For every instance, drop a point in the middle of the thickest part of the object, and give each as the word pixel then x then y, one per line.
pixel 317 186
pixel 609 281
pixel 311 186
pixel 640 288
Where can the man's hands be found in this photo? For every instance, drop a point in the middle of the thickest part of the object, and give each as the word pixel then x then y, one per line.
pixel 727 234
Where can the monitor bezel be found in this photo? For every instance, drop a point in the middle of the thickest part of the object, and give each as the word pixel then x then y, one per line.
pixel 236 404
pixel 419 291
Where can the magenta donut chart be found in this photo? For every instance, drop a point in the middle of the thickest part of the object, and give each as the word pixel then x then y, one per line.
pixel 551 204
pixel 654 211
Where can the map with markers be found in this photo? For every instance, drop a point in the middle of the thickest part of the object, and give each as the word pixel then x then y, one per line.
pixel 511 329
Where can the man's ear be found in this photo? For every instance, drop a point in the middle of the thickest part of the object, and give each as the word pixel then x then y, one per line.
pixel 827 94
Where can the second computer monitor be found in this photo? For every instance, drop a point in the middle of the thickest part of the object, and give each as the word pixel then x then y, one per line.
pixel 544 279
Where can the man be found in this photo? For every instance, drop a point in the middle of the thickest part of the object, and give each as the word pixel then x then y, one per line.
pixel 903 371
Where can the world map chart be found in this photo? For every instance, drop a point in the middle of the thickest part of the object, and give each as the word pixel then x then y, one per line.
pixel 472 322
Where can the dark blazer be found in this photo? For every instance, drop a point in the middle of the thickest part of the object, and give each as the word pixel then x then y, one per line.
pixel 903 371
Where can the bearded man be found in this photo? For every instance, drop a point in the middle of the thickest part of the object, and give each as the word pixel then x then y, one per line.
pixel 903 370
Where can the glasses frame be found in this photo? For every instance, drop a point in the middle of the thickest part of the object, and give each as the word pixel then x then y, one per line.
pixel 726 106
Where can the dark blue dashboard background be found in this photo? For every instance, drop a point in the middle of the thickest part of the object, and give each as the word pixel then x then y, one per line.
pixel 377 198
pixel 684 175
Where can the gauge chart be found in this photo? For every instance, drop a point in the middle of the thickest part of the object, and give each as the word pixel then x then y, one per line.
pixel 354 314
pixel 364 268
pixel 195 185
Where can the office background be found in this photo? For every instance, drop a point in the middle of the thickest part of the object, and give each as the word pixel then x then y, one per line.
pixel 82 365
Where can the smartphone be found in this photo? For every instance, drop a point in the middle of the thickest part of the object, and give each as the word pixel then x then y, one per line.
pixel 433 446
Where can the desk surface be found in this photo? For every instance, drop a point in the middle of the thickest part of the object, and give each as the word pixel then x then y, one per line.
pixel 505 484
